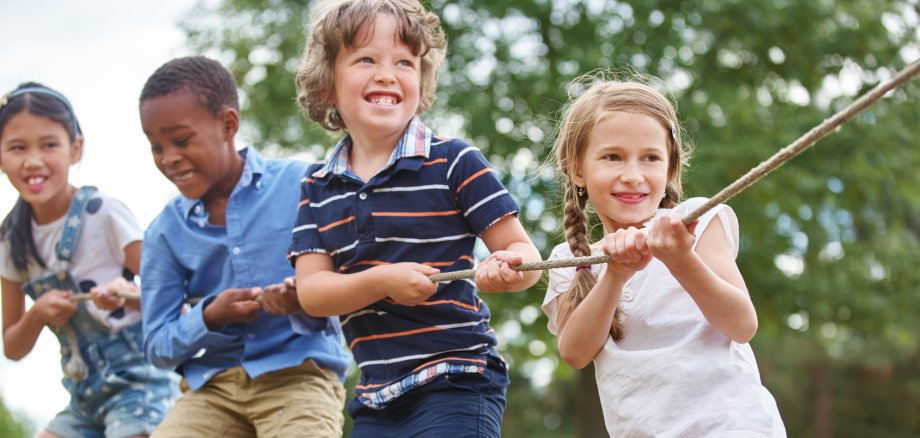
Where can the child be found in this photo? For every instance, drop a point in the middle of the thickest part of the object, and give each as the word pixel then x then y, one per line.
pixel 677 362
pixel 245 370
pixel 393 204
pixel 56 243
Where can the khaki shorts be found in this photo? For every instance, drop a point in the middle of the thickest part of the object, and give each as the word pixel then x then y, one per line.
pixel 299 401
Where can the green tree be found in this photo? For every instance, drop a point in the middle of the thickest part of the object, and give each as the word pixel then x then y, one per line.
pixel 828 242
pixel 12 425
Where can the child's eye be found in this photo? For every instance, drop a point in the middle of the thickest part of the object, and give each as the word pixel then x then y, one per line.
pixel 652 157
pixel 366 60
pixel 182 142
pixel 156 149
pixel 405 63
pixel 611 157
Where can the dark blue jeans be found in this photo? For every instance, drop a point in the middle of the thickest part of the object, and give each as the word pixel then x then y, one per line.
pixel 453 405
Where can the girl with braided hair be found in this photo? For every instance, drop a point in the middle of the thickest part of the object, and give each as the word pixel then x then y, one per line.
pixel 60 243
pixel 667 321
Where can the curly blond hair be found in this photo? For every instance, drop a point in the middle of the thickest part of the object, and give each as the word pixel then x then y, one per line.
pixel 335 24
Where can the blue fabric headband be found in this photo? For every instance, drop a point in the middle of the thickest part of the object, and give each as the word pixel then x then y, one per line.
pixel 48 92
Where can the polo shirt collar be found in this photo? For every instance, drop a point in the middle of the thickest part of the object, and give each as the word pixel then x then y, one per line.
pixel 253 168
pixel 415 142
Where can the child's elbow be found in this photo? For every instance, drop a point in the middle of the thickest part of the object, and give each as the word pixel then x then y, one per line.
pixel 573 357
pixel 312 306
pixel 745 333
pixel 12 355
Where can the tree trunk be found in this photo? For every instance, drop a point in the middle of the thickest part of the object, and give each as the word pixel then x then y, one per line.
pixel 822 424
pixel 588 405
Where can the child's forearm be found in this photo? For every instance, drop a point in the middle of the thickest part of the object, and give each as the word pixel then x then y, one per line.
pixel 326 293
pixel 530 254
pixel 20 338
pixel 588 327
pixel 727 307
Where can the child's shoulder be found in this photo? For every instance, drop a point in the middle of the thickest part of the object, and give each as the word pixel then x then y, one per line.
pixel 446 147
pixel 561 251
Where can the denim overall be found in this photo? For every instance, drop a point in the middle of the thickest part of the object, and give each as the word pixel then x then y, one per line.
pixel 104 372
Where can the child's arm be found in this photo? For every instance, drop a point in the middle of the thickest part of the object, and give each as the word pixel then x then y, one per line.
pixel 105 297
pixel 588 327
pixel 323 292
pixel 21 328
pixel 510 246
pixel 709 274
pixel 281 299
pixel 172 336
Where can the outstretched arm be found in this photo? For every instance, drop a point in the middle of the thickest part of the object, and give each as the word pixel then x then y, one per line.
pixel 709 274
pixel 510 246
pixel 324 292
pixel 21 328
pixel 588 327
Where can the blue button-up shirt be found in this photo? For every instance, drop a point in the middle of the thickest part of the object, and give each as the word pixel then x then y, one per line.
pixel 184 256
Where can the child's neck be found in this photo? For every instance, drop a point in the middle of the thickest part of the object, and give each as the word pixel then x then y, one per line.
pixel 367 158
pixel 55 208
pixel 215 201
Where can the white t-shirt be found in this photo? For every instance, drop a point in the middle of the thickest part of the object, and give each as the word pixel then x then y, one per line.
pixel 673 374
pixel 108 227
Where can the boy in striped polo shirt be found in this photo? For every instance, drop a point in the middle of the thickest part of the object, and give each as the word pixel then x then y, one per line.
pixel 392 205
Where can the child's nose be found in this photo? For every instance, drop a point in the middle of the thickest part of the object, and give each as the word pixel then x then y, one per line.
pixel 33 161
pixel 631 174
pixel 384 75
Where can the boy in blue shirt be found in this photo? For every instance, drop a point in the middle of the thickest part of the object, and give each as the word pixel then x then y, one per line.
pixel 394 204
pixel 245 371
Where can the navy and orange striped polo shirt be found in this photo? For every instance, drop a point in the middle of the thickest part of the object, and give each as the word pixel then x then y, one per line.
pixel 428 205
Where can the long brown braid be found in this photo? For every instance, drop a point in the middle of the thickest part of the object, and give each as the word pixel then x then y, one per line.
pixel 579 118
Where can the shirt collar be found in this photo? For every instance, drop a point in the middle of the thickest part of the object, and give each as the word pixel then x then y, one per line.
pixel 415 142
pixel 253 168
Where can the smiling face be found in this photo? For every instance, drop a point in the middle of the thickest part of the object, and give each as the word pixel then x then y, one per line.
pixel 624 169
pixel 36 154
pixel 377 83
pixel 192 148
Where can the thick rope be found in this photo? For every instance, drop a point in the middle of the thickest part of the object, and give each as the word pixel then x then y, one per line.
pixel 778 159
pixel 121 293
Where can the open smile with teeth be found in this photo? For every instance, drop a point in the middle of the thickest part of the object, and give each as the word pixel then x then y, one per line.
pixel 33 180
pixel 384 100
pixel 182 177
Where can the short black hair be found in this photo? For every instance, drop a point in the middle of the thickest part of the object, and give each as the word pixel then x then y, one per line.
pixel 206 78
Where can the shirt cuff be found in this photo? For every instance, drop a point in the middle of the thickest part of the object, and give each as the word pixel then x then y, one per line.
pixel 196 331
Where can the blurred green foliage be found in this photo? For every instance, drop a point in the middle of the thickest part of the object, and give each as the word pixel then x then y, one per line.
pixel 829 242
pixel 13 425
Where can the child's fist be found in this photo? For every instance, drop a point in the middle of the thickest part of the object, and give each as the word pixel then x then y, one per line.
pixel 55 307
pixel 106 296
pixel 281 299
pixel 232 306
pixel 495 273
pixel 408 283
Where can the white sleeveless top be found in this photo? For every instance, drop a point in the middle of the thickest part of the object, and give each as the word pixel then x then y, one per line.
pixel 673 374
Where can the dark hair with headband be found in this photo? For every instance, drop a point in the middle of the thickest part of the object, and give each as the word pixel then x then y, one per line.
pixel 42 101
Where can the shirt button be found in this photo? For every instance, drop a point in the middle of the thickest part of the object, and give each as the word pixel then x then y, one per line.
pixel 236 250
pixel 362 196
pixel 198 209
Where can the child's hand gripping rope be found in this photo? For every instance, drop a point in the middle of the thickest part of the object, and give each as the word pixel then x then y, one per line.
pixel 778 159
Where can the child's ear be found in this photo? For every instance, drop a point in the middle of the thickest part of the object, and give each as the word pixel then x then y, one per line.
pixel 76 149
pixel 230 119
pixel 577 176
